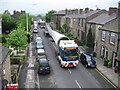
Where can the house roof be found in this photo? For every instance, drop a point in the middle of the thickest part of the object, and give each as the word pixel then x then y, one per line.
pixel 103 18
pixel 83 15
pixel 61 12
pixel 111 25
pixel 3 53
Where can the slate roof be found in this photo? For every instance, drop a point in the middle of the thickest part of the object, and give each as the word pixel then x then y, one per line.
pixel 111 25
pixel 103 18
pixel 83 15
pixel 61 12
pixel 3 53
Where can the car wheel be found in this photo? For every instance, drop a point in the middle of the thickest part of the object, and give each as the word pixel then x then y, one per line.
pixel 86 66
pixel 38 72
pixel 61 65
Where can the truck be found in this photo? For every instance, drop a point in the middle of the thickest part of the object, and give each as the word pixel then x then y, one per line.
pixel 42 24
pixel 67 50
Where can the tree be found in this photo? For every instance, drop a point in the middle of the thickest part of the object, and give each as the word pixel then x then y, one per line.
pixel 17 38
pixel 65 26
pixel 22 21
pixel 90 41
pixel 8 23
pixel 48 15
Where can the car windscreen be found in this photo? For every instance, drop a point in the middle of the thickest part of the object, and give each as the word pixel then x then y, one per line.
pixel 88 58
pixel 44 65
pixel 39 44
pixel 71 52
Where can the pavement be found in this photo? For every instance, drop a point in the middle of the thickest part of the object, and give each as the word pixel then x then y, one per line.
pixel 107 73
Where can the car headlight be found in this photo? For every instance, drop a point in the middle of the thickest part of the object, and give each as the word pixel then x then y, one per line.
pixel 88 64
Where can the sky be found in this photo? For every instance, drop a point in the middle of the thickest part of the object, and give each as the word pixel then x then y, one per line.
pixel 43 6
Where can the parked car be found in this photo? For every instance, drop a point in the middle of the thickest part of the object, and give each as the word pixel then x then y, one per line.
pixel 41 53
pixel 87 60
pixel 43 66
pixel 39 45
pixel 38 39
pixel 35 30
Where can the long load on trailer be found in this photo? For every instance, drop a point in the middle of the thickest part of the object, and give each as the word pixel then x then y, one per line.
pixel 68 53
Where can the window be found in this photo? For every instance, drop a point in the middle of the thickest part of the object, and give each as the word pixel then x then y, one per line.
pixel 112 38
pixel 103 35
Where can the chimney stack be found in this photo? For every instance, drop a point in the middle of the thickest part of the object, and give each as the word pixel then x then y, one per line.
pixel 86 10
pixel 80 11
pixel 112 10
pixel 66 11
pixel 76 11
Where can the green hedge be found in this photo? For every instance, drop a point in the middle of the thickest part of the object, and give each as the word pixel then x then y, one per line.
pixel 2 38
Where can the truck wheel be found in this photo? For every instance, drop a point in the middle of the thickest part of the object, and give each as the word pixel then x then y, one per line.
pixel 61 65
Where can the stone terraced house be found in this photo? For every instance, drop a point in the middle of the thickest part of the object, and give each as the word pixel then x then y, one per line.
pixel 107 41
pixel 77 21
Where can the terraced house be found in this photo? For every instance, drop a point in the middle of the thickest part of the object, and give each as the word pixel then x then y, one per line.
pixel 5 69
pixel 107 45
pixel 56 19
pixel 100 21
pixel 77 21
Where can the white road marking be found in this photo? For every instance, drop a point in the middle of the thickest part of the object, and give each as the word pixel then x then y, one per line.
pixel 38 81
pixel 30 65
pixel 69 71
pixel 78 84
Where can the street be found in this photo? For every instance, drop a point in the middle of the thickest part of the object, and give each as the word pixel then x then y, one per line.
pixel 75 77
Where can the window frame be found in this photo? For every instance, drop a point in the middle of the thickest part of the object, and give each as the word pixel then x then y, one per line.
pixel 103 35
pixel 112 37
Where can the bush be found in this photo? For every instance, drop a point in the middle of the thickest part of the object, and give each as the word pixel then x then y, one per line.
pixel 3 38
pixel 12 54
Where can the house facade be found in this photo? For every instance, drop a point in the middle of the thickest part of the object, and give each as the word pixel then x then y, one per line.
pixel 5 69
pixel 56 19
pixel 99 21
pixel 77 21
pixel 107 41
pixel 16 14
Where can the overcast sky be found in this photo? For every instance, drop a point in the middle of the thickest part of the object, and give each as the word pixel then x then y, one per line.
pixel 43 6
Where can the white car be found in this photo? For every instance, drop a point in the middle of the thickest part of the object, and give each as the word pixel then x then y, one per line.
pixel 38 39
pixel 40 53
pixel 35 30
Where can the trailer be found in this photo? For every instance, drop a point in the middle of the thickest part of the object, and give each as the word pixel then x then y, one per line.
pixel 67 50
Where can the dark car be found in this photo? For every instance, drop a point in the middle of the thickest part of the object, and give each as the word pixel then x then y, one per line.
pixel 87 60
pixel 43 67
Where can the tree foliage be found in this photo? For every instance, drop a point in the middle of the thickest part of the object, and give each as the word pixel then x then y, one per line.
pixel 90 41
pixel 17 38
pixel 48 15
pixel 8 23
pixel 23 21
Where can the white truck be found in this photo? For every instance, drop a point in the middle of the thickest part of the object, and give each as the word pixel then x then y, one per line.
pixel 67 50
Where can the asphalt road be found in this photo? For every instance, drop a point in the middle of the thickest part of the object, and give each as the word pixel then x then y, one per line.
pixel 79 77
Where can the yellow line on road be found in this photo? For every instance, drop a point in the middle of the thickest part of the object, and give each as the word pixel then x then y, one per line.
pixel 106 79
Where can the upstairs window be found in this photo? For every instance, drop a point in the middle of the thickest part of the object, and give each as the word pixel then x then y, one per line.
pixel 112 38
pixel 103 35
